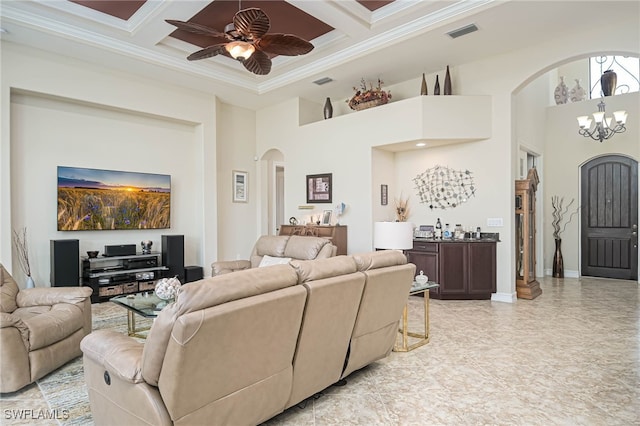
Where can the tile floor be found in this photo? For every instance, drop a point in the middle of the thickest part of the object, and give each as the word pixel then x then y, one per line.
pixel 569 357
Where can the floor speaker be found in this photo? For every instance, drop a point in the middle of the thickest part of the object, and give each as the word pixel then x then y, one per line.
pixel 65 263
pixel 173 255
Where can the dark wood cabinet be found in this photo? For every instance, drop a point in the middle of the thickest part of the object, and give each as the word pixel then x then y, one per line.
pixel 464 269
pixel 454 270
pixel 425 257
pixel 337 234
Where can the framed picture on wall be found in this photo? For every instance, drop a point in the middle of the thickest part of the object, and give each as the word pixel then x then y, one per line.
pixel 326 217
pixel 240 186
pixel 384 194
pixel 319 188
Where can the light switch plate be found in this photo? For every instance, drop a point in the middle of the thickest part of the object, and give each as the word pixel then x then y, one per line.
pixel 495 222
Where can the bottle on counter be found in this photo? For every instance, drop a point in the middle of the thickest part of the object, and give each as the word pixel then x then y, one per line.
pixel 478 233
pixel 438 233
pixel 446 234
pixel 459 232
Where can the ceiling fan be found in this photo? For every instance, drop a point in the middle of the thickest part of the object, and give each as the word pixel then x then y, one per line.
pixel 246 40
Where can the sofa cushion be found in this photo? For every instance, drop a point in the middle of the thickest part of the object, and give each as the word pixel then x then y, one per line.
pixel 311 270
pixel 379 259
pixel 304 248
pixel 50 324
pixel 8 291
pixel 271 245
pixel 270 261
pixel 204 294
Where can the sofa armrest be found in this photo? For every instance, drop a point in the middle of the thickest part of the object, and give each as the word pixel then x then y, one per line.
pixel 226 266
pixel 8 320
pixel 119 354
pixel 48 296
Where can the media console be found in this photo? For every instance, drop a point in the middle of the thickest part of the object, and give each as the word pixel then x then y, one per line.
pixel 110 276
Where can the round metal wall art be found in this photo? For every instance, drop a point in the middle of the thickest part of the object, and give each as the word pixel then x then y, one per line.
pixel 442 187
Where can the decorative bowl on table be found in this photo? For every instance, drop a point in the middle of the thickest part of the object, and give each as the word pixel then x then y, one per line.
pixel 167 288
pixel 93 254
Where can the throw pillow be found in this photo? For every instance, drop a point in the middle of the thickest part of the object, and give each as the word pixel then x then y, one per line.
pixel 270 260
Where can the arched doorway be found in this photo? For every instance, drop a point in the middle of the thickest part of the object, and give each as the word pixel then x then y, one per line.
pixel 609 225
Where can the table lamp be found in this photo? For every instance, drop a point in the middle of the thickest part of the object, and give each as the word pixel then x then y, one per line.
pixel 392 235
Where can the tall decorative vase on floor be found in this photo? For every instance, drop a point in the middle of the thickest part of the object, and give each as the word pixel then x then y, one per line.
pixel 558 263
pixel 608 81
pixel 328 109
pixel 447 82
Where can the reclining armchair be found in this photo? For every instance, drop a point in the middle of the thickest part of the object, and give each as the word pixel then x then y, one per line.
pixel 40 330
pixel 273 249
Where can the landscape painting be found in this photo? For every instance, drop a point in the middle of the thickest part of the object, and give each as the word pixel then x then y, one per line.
pixel 92 199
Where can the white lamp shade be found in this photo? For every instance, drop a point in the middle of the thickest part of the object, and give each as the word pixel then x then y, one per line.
pixel 393 235
pixel 620 116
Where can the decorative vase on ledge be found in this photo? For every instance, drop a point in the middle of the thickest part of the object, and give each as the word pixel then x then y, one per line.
pixel 561 93
pixel 436 89
pixel 608 81
pixel 328 109
pixel 558 264
pixel 447 83
pixel 423 87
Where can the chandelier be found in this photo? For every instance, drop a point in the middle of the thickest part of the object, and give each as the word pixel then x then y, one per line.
pixel 604 127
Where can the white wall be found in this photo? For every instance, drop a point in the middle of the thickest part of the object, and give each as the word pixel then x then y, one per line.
pixel 66 112
pixel 236 151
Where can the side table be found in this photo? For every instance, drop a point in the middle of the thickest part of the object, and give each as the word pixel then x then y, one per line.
pixel 423 337
pixel 146 304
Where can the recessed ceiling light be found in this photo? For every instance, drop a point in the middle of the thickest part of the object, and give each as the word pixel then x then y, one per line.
pixel 323 80
pixel 421 144
pixel 463 31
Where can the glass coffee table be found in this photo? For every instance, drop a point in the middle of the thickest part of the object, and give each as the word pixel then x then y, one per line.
pixel 145 304
pixel 423 338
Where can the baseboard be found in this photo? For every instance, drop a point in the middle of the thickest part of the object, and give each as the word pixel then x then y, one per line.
pixel 567 274
pixel 504 297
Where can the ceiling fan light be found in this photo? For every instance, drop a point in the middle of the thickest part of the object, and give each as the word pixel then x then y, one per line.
pixel 240 49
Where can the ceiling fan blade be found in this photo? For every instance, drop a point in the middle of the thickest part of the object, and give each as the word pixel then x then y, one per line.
pixel 252 23
pixel 283 44
pixel 208 52
pixel 196 28
pixel 258 63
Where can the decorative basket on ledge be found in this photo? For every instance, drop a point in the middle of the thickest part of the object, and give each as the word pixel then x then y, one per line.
pixel 359 106
pixel 368 97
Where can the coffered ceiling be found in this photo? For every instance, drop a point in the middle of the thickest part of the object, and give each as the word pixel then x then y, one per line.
pixel 394 40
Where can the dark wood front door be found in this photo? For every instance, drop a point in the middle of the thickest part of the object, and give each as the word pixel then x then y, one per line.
pixel 609 230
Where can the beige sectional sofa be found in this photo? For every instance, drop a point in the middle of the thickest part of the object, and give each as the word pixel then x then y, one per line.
pixel 278 247
pixel 240 348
